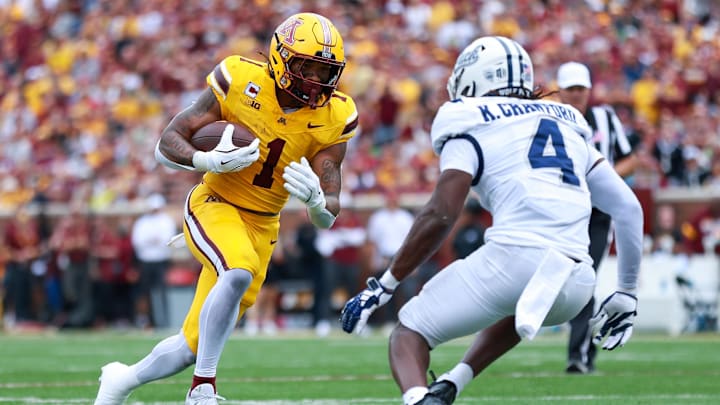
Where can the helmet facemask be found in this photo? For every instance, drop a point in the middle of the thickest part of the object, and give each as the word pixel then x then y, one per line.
pixel 315 91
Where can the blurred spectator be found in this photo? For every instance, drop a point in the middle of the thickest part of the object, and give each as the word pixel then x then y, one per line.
pixel 313 263
pixel 114 273
pixel 702 232
pixel 386 230
pixel 459 32
pixel 667 236
pixel 24 299
pixel 387 111
pixel 342 247
pixel 668 152
pixel 262 316
pixel 150 235
pixel 416 15
pixel 695 173
pixel 71 243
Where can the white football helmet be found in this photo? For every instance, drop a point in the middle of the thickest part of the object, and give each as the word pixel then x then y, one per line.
pixel 495 65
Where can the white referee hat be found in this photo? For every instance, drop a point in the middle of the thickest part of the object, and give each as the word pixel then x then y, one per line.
pixel 573 74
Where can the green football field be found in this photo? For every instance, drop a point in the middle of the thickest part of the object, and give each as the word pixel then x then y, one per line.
pixel 62 368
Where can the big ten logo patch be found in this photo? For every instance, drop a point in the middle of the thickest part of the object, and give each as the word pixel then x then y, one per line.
pixel 252 103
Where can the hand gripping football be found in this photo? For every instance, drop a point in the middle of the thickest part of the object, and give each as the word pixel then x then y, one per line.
pixel 207 137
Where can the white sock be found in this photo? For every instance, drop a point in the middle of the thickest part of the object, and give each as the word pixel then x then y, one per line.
pixel 460 375
pixel 217 319
pixel 414 394
pixel 171 356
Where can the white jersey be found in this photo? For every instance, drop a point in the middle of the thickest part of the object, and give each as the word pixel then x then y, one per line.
pixel 528 159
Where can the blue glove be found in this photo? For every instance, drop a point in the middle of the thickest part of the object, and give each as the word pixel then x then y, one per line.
pixel 616 315
pixel 358 309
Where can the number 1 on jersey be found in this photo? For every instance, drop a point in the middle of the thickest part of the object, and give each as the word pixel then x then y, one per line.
pixel 265 178
pixel 548 129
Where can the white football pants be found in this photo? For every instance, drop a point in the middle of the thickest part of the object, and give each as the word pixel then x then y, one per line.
pixel 473 293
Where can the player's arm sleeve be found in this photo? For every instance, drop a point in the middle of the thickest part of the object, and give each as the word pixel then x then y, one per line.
pixel 611 194
pixel 462 152
pixel 162 159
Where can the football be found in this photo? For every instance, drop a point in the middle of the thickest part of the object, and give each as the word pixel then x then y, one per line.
pixel 207 137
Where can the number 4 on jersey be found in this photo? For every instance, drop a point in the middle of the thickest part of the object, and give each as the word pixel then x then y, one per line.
pixel 548 129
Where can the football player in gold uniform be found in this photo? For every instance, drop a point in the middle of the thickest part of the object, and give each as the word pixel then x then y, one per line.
pixel 302 124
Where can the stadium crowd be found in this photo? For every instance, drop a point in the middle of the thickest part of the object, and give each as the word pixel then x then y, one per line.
pixel 87 85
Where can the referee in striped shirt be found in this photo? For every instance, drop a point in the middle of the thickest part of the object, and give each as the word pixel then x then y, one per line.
pixel 609 138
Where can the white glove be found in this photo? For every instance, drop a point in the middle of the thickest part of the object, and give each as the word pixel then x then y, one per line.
pixel 616 315
pixel 226 157
pixel 302 183
pixel 358 309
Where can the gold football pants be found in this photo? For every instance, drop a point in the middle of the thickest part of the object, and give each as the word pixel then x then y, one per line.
pixel 222 237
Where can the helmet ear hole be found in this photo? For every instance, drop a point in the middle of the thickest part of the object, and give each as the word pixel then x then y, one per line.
pixel 468 91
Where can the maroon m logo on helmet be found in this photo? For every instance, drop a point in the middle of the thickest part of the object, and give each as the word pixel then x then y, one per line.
pixel 287 30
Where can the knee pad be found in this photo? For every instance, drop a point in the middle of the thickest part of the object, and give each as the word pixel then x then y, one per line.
pixel 237 279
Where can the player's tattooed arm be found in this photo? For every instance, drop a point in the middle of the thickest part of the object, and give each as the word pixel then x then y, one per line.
pixel 326 165
pixel 174 140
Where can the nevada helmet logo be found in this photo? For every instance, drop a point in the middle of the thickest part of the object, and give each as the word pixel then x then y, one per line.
pixel 466 59
pixel 287 30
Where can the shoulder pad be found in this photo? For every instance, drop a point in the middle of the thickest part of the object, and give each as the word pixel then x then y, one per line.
pixel 344 110
pixel 453 118
pixel 221 78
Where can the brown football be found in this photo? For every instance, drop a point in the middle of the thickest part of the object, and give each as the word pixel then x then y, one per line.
pixel 207 137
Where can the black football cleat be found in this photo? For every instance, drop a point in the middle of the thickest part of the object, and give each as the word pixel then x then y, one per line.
pixel 429 399
pixel 579 368
pixel 440 393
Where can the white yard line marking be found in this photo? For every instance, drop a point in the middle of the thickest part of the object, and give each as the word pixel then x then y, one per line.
pixel 317 378
pixel 320 378
pixel 359 401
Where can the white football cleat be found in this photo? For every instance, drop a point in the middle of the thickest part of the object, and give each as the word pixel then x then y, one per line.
pixel 203 394
pixel 116 383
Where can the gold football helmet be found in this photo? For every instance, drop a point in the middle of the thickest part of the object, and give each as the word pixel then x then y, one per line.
pixel 307 58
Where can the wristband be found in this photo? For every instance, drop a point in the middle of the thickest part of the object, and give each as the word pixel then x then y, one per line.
pixel 320 216
pixel 389 281
pixel 629 291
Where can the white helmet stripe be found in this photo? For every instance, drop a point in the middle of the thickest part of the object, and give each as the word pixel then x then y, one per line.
pixel 520 62
pixel 327 34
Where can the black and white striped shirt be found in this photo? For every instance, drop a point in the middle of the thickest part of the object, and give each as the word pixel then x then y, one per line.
pixel 608 133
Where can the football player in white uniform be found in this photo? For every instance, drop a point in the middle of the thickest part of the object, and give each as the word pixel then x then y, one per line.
pixel 533 169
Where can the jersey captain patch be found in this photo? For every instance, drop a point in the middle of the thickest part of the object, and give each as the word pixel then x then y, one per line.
pixel 252 90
